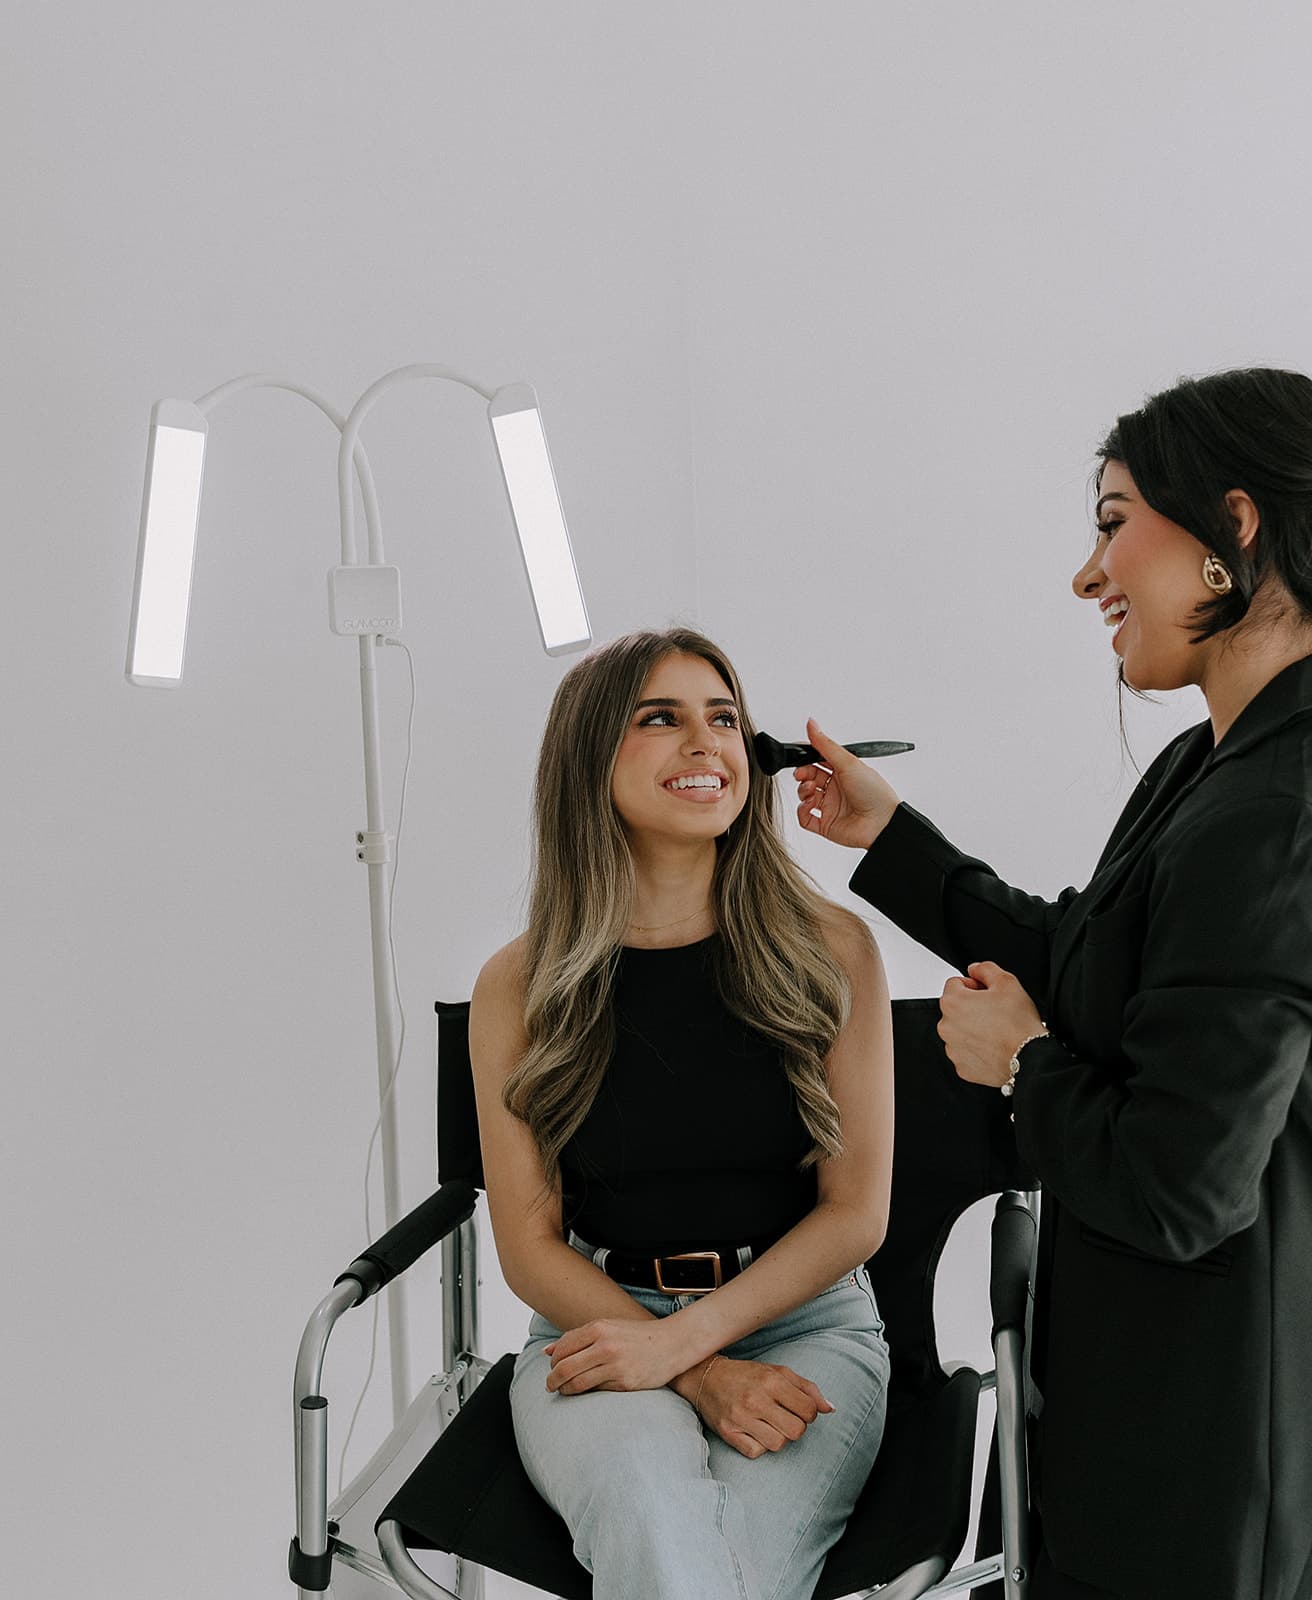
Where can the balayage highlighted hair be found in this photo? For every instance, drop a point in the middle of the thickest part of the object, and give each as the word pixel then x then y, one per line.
pixel 774 967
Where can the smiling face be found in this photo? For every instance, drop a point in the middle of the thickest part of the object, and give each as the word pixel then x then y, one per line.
pixel 1146 573
pixel 681 770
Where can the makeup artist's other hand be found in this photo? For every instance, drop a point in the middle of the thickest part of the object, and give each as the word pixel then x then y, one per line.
pixel 985 1015
pixel 753 1405
pixel 843 800
pixel 612 1353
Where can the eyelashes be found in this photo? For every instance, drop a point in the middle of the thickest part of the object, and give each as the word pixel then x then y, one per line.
pixel 1108 528
pixel 666 717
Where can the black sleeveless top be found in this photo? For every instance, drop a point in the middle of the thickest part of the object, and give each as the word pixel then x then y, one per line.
pixel 694 1139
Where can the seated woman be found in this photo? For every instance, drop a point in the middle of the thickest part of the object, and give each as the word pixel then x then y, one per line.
pixel 684 1079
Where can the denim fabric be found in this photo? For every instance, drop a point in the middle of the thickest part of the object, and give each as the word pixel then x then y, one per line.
pixel 662 1509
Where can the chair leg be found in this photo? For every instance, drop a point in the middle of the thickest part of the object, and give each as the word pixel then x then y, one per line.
pixel 1013 1473
pixel 460 1297
pixel 911 1584
pixel 469 1579
pixel 364 1498
pixel 961 1578
pixel 410 1577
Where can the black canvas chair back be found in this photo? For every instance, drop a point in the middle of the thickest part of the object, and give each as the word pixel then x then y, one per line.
pixel 953 1146
pixel 471 1496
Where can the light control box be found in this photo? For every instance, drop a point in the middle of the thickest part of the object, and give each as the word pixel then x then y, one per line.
pixel 364 600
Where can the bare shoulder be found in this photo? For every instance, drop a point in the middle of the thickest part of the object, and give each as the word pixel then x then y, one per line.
pixel 502 976
pixel 849 938
pixel 496 1011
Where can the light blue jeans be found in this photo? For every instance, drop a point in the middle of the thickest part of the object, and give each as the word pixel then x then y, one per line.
pixel 662 1509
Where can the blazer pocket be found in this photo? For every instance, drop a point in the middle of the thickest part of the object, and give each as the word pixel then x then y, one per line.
pixel 1215 1262
pixel 1101 974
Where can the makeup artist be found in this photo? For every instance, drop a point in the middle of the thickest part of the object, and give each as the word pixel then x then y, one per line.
pixel 1152 1031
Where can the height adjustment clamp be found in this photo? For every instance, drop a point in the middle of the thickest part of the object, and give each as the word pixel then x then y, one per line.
pixel 373 847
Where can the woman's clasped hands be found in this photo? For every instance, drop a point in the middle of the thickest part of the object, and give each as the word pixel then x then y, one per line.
pixel 755 1406
pixel 613 1353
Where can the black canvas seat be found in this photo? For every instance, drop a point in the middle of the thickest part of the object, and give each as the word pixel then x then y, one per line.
pixel 470 1496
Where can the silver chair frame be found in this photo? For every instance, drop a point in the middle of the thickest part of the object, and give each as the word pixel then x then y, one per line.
pixel 347 1526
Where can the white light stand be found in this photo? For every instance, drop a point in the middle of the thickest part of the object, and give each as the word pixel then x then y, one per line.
pixel 364 602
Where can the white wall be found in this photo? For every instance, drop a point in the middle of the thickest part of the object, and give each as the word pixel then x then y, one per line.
pixel 938 251
pixel 827 307
pixel 327 190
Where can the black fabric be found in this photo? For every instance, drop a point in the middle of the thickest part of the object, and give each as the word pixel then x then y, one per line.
pixel 459 1155
pixel 1049 1584
pixel 916 1502
pixel 471 1495
pixel 1170 1121
pixel 953 1145
pixel 694 1134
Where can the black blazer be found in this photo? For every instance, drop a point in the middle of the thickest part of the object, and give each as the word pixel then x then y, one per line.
pixel 1170 1123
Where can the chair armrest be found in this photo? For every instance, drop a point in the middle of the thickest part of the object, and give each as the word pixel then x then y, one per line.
pixel 401 1246
pixel 1009 1283
pixel 952 1368
pixel 1011 1255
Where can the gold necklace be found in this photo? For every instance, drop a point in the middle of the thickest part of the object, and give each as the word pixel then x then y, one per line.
pixel 660 927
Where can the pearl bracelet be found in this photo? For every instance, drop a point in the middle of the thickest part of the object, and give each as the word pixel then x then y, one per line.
pixel 1013 1066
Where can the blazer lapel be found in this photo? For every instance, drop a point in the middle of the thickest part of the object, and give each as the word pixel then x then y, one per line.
pixel 1189 765
pixel 1183 768
pixel 1286 698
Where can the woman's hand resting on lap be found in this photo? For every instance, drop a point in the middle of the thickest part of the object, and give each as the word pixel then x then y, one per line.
pixel 612 1353
pixel 753 1405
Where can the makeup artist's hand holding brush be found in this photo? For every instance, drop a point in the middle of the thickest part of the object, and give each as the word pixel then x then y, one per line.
pixel 843 800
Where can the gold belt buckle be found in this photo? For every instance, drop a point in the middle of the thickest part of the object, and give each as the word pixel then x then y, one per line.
pixel 713 1256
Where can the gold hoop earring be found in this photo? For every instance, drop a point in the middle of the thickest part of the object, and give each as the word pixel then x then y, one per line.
pixel 1217 576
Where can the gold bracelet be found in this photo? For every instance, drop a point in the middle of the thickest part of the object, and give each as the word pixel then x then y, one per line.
pixel 1013 1066
pixel 697 1401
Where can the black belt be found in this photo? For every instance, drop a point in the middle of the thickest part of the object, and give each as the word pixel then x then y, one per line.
pixel 680 1272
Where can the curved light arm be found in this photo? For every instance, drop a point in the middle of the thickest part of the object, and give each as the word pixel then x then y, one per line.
pixel 351 434
pixel 269 380
pixel 170 511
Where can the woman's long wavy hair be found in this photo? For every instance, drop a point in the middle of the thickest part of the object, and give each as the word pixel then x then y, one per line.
pixel 773 966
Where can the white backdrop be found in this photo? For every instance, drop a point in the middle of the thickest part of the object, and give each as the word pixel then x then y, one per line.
pixel 827 307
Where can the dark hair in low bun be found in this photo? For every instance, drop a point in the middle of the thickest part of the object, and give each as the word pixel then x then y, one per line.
pixel 1187 447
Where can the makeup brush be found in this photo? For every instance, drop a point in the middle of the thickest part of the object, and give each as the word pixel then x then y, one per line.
pixel 772 757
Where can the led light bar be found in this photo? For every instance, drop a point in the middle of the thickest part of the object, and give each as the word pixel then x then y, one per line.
pixel 539 520
pixel 166 551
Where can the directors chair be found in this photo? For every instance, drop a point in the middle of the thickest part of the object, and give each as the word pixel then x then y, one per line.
pixel 449 1477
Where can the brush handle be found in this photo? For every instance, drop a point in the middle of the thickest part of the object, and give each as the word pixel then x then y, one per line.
pixel 808 754
pixel 879 747
pixel 773 756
